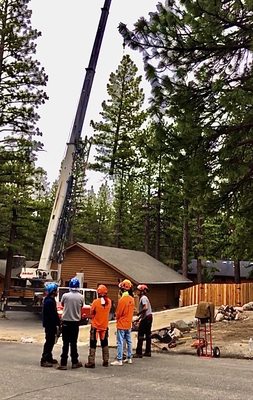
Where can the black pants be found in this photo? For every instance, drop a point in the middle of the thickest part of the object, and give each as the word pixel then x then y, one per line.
pixel 103 336
pixel 144 332
pixel 70 331
pixel 49 344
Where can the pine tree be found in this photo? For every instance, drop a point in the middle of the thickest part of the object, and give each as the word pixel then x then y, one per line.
pixel 197 56
pixel 122 116
pixel 116 133
pixel 21 82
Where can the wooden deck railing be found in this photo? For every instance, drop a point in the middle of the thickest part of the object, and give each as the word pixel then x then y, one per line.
pixel 218 293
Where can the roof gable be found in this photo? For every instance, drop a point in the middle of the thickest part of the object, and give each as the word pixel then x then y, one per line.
pixel 137 265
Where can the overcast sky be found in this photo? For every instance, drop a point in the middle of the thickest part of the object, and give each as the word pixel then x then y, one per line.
pixel 68 32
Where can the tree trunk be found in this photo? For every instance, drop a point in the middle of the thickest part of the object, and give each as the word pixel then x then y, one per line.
pixel 200 221
pixel 199 271
pixel 158 228
pixel 237 271
pixel 185 249
pixel 147 222
pixel 158 216
pixel 9 259
pixel 120 214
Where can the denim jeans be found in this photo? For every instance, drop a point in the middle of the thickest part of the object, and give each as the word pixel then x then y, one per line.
pixel 124 334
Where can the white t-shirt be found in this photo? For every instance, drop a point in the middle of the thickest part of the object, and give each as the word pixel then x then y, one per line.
pixel 145 301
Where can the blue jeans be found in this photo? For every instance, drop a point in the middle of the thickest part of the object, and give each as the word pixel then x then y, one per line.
pixel 124 334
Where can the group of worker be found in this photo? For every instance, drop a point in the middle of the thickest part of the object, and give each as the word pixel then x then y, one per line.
pixel 68 325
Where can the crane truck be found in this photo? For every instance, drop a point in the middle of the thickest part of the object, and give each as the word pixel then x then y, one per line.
pixel 63 208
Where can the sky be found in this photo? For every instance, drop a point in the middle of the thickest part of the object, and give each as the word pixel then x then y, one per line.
pixel 68 32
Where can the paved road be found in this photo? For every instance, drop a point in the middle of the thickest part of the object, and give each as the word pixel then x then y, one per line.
pixel 162 376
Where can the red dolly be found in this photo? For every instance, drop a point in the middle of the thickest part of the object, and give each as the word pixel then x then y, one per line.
pixel 204 342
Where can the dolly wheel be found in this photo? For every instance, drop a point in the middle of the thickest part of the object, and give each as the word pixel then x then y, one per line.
pixel 216 352
pixel 199 351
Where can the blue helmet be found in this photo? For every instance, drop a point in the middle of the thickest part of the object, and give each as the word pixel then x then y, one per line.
pixel 74 283
pixel 51 287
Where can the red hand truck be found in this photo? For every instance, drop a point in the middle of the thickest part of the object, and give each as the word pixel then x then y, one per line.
pixel 204 343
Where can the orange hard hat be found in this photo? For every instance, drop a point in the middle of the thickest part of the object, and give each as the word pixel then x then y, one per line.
pixel 102 290
pixel 125 284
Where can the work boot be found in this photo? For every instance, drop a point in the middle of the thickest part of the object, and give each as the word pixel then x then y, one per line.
pixel 136 355
pixel 91 359
pixel 62 367
pixel 46 364
pixel 147 354
pixel 105 353
pixel 77 365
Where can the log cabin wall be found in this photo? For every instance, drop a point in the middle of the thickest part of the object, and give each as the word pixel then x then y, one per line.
pixel 95 271
pixel 162 296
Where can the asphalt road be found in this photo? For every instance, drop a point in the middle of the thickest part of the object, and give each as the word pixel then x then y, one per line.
pixel 162 376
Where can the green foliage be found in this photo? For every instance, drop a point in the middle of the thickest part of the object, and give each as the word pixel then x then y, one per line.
pixel 198 59
pixel 122 117
pixel 21 182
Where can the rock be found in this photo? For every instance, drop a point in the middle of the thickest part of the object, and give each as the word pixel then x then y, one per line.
pixel 181 325
pixel 219 317
pixel 248 306
pixel 27 340
pixel 240 309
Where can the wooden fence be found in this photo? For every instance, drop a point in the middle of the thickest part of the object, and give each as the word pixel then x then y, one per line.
pixel 218 293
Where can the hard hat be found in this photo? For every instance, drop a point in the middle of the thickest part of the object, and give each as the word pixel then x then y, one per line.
pixel 102 290
pixel 142 288
pixel 125 284
pixel 51 287
pixel 74 283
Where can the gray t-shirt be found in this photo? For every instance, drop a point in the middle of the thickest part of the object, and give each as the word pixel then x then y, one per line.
pixel 72 303
pixel 145 301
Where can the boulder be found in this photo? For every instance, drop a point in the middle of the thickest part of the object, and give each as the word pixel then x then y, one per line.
pixel 248 306
pixel 182 325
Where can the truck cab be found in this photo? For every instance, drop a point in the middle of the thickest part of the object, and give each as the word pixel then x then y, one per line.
pixel 88 296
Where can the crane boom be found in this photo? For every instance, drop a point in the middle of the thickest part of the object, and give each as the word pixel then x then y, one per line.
pixel 57 227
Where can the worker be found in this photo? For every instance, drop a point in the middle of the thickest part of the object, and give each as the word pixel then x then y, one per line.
pixel 124 316
pixel 100 310
pixel 51 323
pixel 72 303
pixel 145 322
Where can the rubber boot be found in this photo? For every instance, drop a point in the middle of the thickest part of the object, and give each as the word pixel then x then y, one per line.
pixel 91 359
pixel 105 353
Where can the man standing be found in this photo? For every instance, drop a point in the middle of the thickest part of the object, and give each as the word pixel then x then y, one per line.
pixel 72 303
pixel 145 318
pixel 124 317
pixel 100 310
pixel 51 322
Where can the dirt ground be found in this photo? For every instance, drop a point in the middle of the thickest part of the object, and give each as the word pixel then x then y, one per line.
pixel 232 337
